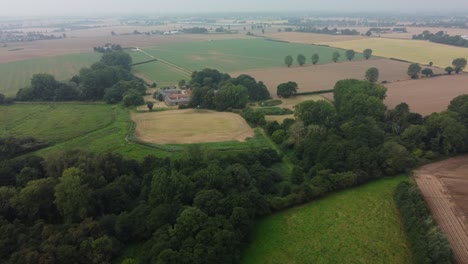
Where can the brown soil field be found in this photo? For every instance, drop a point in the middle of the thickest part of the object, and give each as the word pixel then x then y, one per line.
pixel 190 126
pixel 323 77
pixel 81 44
pixel 309 38
pixel 444 186
pixel 427 95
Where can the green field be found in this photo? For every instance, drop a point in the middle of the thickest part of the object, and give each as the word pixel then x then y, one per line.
pixel 162 74
pixel 97 128
pixel 360 225
pixel 16 75
pixel 238 54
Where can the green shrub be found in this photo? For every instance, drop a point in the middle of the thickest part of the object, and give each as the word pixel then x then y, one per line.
pixel 268 103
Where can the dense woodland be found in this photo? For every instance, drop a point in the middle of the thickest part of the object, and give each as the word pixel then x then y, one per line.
pixel 110 80
pixel 77 207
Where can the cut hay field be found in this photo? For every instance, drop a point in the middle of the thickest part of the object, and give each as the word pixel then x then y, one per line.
pixel 427 95
pixel 190 126
pixel 238 54
pixel 16 75
pixel 411 50
pixel 359 225
pixel 444 185
pixel 323 77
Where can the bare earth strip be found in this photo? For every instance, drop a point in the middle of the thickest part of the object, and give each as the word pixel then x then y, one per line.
pixel 427 95
pixel 323 77
pixel 190 126
pixel 445 187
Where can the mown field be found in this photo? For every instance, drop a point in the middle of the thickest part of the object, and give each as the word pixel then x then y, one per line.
pixel 411 50
pixel 96 128
pixel 162 74
pixel 238 54
pixel 16 75
pixel 359 225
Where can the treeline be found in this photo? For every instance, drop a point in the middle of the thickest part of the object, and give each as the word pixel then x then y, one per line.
pixel 110 79
pixel 442 38
pixel 195 30
pixel 214 90
pixel 109 47
pixel 325 30
pixel 11 147
pixel 6 100
pixel 428 243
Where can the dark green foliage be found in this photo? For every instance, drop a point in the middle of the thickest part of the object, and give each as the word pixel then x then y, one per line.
pixel 150 106
pixel 133 98
pixel 287 90
pixel 413 70
pixel 117 58
pixel 427 71
pixel 350 54
pixel 208 77
pixel 274 111
pixel 270 103
pixel 116 93
pixel 336 55
pixel 428 243
pixel 367 53
pixel 288 60
pixel 459 64
pixel 315 58
pixel 231 96
pixel 459 105
pixel 301 59
pixel 449 70
pixel 441 37
pixel 253 117
pixel 257 90
pixel 315 112
pixel 372 74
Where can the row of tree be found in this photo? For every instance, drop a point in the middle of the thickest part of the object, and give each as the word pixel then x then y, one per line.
pixel 442 38
pixel 415 69
pixel 326 30
pixel 110 79
pixel 428 243
pixel 301 59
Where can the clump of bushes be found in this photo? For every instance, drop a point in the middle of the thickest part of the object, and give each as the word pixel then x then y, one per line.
pixel 269 103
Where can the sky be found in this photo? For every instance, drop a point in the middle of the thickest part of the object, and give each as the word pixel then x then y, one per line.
pixel 84 7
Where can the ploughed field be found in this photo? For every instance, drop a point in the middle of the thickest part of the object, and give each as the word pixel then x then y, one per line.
pixel 444 186
pixel 190 126
pixel 312 78
pixel 360 225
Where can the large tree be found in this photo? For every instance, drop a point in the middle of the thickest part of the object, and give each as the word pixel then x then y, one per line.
pixel 459 64
pixel 413 70
pixel 72 196
pixel 350 54
pixel 301 59
pixel 367 53
pixel 231 96
pixel 427 71
pixel 287 89
pixel 288 60
pixel 117 58
pixel 372 74
pixel 315 112
pixel 336 55
pixel 315 58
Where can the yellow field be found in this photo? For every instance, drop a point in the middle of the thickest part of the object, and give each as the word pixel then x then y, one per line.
pixel 190 126
pixel 411 50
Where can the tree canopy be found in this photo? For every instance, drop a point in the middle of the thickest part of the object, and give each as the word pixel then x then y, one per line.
pixel 287 89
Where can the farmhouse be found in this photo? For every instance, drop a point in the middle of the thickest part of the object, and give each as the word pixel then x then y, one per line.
pixel 174 96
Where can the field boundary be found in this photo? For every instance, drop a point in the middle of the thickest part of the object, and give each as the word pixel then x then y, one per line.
pixel 443 209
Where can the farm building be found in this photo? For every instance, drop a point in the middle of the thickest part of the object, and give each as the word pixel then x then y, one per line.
pixel 174 96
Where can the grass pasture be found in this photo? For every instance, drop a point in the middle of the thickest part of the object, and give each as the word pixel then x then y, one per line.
pixel 411 50
pixel 162 74
pixel 359 225
pixel 16 75
pixel 190 126
pixel 238 54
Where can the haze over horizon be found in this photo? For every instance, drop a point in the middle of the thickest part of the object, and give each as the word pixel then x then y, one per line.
pixel 85 7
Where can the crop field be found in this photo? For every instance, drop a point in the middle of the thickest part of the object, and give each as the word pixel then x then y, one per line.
pixel 324 77
pixel 16 75
pixel 445 187
pixel 190 126
pixel 427 95
pixel 359 225
pixel 238 54
pixel 162 74
pixel 411 50
pixel 310 38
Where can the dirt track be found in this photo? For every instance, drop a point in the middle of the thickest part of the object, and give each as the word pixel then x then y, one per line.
pixel 445 187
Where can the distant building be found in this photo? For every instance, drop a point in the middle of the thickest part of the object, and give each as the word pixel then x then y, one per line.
pixel 464 37
pixel 174 96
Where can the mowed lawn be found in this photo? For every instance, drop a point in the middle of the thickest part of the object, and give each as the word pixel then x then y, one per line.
pixel 239 54
pixel 411 50
pixel 360 225
pixel 16 75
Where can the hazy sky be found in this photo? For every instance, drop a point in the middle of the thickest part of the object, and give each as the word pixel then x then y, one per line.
pixel 56 7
